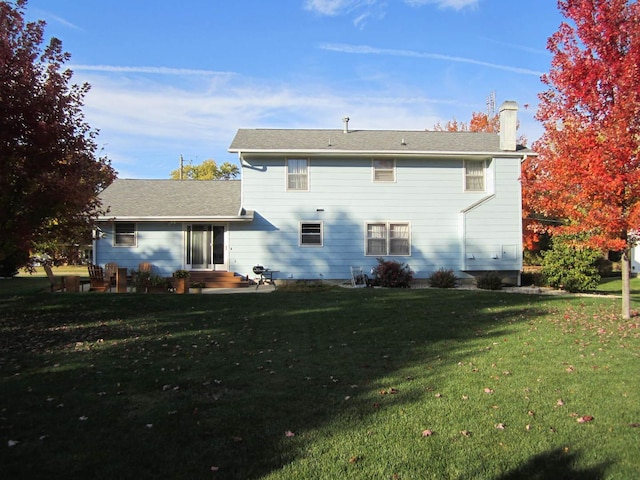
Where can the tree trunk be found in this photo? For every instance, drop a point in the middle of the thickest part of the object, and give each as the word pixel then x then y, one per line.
pixel 626 284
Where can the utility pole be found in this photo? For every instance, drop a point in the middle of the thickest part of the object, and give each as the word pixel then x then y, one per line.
pixel 181 166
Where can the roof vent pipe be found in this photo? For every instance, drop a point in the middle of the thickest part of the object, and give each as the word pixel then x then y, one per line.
pixel 346 124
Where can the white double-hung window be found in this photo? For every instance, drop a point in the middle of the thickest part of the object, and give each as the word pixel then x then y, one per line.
pixel 474 175
pixel 125 234
pixel 297 174
pixel 388 238
pixel 384 170
pixel 310 234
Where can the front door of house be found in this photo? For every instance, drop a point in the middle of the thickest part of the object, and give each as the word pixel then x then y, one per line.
pixel 206 247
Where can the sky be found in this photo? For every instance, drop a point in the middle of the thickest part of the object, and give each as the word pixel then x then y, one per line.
pixel 175 78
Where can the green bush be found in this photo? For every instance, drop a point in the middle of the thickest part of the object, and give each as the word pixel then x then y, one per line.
pixel 443 279
pixel 570 266
pixel 389 273
pixel 490 281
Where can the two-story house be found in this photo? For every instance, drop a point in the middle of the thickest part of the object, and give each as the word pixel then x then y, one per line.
pixel 312 203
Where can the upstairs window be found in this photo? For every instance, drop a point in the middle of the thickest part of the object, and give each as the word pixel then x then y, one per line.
pixel 297 174
pixel 474 175
pixel 311 234
pixel 384 170
pixel 125 235
pixel 388 238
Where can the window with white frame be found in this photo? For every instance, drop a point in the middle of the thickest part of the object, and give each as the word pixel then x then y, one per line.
pixel 297 174
pixel 384 170
pixel 474 175
pixel 311 234
pixel 388 238
pixel 124 234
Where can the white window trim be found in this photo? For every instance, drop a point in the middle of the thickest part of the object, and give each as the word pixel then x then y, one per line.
pixel 311 245
pixel 286 174
pixel 387 225
pixel 115 235
pixel 373 170
pixel 484 176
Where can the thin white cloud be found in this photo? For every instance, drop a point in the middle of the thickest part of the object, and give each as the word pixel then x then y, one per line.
pixel 147 70
pixel 515 46
pixel 368 50
pixel 362 9
pixel 51 18
pixel 335 7
pixel 455 4
pixel 340 7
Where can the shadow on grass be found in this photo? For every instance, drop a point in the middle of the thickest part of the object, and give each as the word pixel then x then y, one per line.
pixel 221 378
pixel 555 465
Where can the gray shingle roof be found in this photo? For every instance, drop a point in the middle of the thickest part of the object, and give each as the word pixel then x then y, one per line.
pixel 382 141
pixel 172 198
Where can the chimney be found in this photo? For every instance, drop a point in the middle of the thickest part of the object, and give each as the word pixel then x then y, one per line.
pixel 508 125
pixel 346 124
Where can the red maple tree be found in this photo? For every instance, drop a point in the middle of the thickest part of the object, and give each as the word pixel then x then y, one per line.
pixel 588 168
pixel 50 173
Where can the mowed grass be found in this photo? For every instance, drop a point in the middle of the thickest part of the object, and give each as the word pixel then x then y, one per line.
pixel 347 383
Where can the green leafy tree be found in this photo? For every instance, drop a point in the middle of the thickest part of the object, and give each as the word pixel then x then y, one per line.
pixel 50 175
pixel 207 170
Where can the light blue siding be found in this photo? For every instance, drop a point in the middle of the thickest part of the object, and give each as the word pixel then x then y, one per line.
pixel 160 243
pixel 427 193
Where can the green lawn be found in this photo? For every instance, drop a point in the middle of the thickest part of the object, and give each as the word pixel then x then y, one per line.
pixel 347 383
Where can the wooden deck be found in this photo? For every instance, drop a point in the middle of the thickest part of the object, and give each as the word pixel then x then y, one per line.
pixel 221 279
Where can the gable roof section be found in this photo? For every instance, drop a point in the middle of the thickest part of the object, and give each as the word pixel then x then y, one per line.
pixel 397 142
pixel 174 200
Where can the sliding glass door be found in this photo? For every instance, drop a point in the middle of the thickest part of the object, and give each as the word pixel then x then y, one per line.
pixel 206 247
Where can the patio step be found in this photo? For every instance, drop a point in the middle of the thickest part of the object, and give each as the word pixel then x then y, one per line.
pixel 220 279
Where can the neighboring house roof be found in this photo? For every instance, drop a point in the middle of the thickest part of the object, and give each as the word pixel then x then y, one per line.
pixel 395 142
pixel 173 200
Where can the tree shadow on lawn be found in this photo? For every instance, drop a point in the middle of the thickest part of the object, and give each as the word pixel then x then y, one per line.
pixel 556 465
pixel 224 378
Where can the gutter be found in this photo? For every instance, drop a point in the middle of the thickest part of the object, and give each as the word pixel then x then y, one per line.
pixel 358 153
pixel 248 217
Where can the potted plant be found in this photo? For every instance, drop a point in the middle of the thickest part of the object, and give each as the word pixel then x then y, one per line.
pixel 197 287
pixel 181 281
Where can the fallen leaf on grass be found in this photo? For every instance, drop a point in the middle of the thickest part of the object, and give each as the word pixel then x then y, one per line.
pixel 355 459
pixel 500 426
pixel 488 390
pixel 438 395
pixel 289 433
pixel 634 425
pixel 560 402
pixel 585 419
pixel 392 391
pixel 427 433
pixel 83 418
pixel 215 469
pixel 12 443
pixel 465 433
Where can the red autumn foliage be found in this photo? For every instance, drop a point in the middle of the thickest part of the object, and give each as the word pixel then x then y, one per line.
pixel 588 168
pixel 49 173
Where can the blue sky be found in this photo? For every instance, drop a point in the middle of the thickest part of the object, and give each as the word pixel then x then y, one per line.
pixel 179 78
